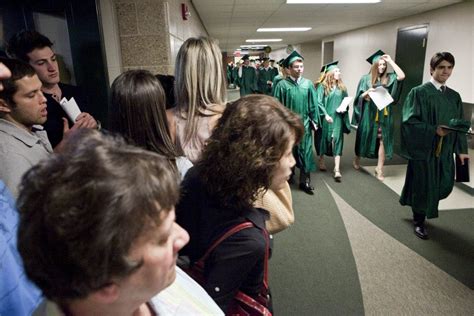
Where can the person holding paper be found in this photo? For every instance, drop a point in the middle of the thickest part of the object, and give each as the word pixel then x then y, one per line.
pixel 23 142
pixel 428 147
pixel 36 49
pixel 298 94
pixel 374 138
pixel 332 98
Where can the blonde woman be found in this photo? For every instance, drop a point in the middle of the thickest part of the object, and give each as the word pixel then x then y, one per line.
pixel 200 90
pixel 330 140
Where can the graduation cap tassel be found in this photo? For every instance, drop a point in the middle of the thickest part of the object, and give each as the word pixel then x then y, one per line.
pixel 439 146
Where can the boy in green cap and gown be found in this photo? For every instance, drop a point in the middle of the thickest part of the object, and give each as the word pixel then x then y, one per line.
pixel 374 138
pixel 428 147
pixel 265 77
pixel 247 77
pixel 298 94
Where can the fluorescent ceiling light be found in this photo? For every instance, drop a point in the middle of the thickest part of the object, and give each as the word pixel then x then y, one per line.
pixel 263 40
pixel 284 29
pixel 330 1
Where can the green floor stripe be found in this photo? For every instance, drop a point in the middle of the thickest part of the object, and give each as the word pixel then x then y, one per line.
pixel 312 271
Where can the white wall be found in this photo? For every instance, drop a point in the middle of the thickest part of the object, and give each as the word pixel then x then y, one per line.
pixel 450 29
pixel 179 29
pixel 311 53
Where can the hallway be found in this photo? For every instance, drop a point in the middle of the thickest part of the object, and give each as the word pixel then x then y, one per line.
pixel 352 250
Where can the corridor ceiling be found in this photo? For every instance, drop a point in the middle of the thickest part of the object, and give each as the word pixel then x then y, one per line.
pixel 232 22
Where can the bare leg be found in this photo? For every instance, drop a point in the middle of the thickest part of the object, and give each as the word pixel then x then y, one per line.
pixel 380 162
pixel 321 164
pixel 356 163
pixel 337 171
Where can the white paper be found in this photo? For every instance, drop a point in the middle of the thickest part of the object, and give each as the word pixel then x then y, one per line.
pixel 381 97
pixel 314 125
pixel 344 104
pixel 71 108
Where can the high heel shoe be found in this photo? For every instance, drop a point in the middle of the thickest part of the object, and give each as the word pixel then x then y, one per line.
pixel 379 174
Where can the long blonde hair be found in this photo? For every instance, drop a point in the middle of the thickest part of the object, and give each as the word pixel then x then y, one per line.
pixel 328 82
pixel 200 87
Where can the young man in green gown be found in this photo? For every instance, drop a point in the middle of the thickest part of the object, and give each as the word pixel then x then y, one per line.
pixel 247 77
pixel 265 77
pixel 429 147
pixel 298 94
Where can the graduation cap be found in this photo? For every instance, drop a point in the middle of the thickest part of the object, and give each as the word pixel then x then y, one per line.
pixel 375 57
pixel 329 67
pixel 291 58
pixel 265 58
pixel 272 60
pixel 245 57
pixel 280 62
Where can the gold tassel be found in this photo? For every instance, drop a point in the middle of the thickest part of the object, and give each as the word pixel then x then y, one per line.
pixel 377 116
pixel 439 146
pixel 385 112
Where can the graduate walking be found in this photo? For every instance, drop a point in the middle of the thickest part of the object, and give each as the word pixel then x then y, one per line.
pixel 247 77
pixel 374 138
pixel 265 77
pixel 428 147
pixel 329 140
pixel 298 94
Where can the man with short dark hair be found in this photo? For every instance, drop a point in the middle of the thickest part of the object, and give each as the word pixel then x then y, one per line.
pixel 428 146
pixel 97 232
pixel 22 112
pixel 36 49
pixel 299 95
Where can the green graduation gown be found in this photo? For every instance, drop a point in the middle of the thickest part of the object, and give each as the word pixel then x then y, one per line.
pixel 430 171
pixel 330 138
pixel 301 99
pixel 248 81
pixel 366 114
pixel 265 75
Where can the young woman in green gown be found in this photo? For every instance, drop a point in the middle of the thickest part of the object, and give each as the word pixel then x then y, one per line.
pixel 374 137
pixel 330 139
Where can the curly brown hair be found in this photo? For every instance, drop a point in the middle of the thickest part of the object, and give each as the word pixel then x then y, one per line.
pixel 245 147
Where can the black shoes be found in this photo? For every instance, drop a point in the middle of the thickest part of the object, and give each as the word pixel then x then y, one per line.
pixel 307 188
pixel 420 232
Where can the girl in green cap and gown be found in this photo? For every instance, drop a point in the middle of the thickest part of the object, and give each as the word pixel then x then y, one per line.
pixel 330 138
pixel 374 137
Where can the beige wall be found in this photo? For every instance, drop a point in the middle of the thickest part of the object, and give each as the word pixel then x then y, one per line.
pixel 450 29
pixel 145 34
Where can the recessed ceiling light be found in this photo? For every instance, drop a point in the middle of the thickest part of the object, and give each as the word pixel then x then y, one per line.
pixel 330 1
pixel 284 29
pixel 263 40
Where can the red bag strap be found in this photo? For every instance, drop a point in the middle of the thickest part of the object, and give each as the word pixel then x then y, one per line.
pixel 227 234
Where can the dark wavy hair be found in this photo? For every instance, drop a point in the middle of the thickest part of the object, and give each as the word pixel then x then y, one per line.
pixel 81 210
pixel 24 42
pixel 245 147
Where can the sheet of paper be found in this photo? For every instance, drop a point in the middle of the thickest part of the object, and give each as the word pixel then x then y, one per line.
pixel 71 108
pixel 381 97
pixel 344 104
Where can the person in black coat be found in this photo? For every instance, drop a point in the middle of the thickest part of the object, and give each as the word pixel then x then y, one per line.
pixel 250 150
